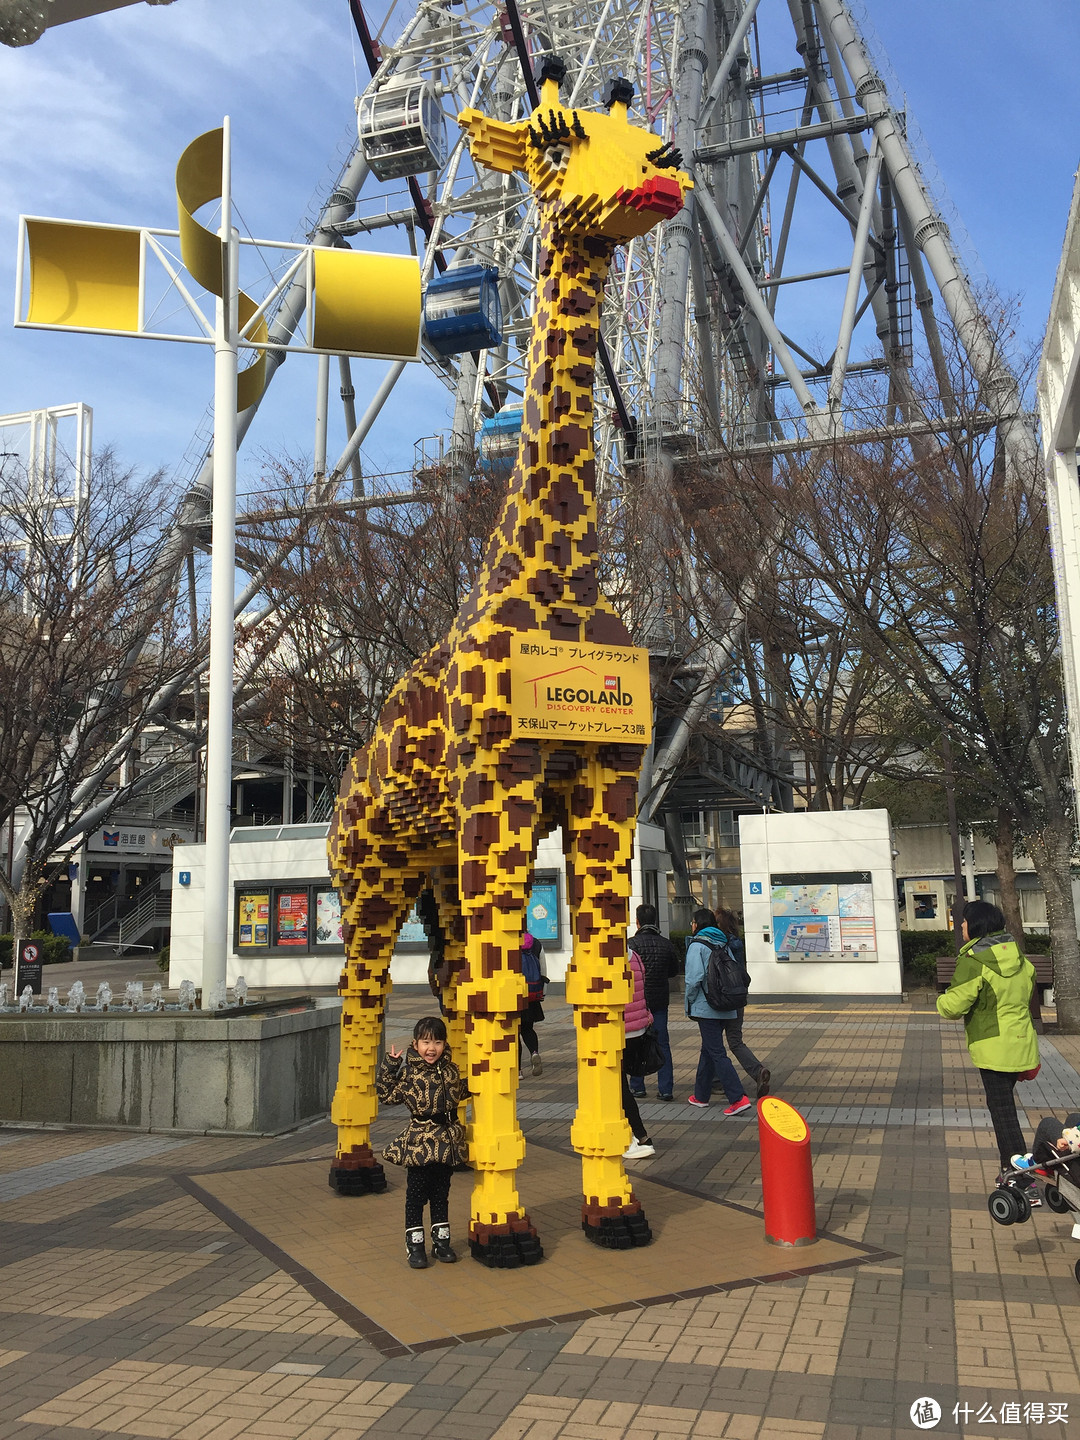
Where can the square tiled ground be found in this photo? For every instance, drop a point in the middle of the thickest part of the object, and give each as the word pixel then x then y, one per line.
pixel 130 1307
pixel 355 1247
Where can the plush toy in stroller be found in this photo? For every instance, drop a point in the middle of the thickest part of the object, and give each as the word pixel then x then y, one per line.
pixel 1054 1162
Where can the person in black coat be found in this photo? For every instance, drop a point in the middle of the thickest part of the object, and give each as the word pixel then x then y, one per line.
pixel 661 960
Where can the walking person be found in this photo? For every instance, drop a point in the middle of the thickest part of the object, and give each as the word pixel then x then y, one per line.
pixel 713 1063
pixel 425 1079
pixel 991 992
pixel 636 1021
pixel 532 968
pixel 728 922
pixel 661 961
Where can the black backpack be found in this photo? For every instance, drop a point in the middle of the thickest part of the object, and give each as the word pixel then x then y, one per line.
pixel 727 980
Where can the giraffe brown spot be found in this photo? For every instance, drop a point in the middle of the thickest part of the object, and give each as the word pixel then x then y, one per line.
pixel 581 801
pixel 505 573
pixel 564 501
pixel 502 686
pixel 582 374
pixel 474 878
pixel 577 301
pixel 585 339
pixel 519 813
pixel 566 442
pixel 554 343
pixel 532 531
pixel 547 586
pixel 495 725
pixel 491 960
pixel 477 790
pixel 481 920
pixel 560 401
pixel 532 416
pixel 479 833
pixel 559 550
pixel 515 614
pixel 599 842
pixel 460 715
pixel 515 857
pixel 605 629
pixel 562 624
pixel 583 585
pixel 497 646
pixel 561 764
pixel 620 800
pixel 621 757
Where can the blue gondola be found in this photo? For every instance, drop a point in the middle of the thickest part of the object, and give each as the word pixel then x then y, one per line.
pixel 499 436
pixel 462 310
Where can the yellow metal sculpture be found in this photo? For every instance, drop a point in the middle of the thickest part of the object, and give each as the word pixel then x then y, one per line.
pixel 447 802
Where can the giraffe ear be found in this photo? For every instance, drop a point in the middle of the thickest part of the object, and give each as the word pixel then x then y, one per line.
pixel 494 143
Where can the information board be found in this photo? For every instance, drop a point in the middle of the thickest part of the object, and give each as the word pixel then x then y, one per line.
pixel 577 691
pixel 828 916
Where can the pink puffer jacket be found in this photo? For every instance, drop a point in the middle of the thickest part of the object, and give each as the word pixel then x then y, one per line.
pixel 637 1017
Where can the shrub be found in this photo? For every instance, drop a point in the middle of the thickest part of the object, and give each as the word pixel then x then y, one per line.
pixel 55 949
pixel 163 959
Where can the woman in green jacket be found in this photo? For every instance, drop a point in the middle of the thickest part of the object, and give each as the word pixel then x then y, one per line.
pixel 991 992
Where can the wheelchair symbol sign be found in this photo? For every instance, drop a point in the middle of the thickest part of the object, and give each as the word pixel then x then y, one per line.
pixel 755 887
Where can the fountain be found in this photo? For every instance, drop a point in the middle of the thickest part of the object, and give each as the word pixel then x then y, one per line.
pixel 75 1001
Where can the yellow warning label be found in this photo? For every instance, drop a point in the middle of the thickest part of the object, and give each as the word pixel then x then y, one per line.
pixel 783 1118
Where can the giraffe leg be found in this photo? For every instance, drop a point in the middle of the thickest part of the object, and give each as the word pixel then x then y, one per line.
pixel 444 884
pixel 496 845
pixel 600 825
pixel 377 897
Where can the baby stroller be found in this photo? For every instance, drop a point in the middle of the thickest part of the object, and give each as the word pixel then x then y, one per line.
pixel 1059 1175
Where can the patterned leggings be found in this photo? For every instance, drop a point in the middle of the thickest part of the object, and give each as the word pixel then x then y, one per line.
pixel 427 1184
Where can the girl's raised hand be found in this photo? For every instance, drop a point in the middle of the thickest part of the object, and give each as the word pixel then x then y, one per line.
pixel 394 1053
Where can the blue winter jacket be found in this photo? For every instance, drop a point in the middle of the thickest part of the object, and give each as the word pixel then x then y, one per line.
pixel 697 961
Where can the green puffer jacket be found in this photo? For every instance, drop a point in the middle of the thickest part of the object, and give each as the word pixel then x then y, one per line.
pixel 991 992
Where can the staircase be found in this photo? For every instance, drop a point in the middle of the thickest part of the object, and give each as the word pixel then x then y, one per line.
pixel 123 923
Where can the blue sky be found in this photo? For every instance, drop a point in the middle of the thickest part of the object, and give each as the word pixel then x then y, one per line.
pixel 95 114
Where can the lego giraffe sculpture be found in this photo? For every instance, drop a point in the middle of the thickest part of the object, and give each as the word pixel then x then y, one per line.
pixel 443 801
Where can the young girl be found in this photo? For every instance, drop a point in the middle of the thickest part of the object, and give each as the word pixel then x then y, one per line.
pixel 429 1083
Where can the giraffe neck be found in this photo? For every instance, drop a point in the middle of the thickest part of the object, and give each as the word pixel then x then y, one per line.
pixel 544 547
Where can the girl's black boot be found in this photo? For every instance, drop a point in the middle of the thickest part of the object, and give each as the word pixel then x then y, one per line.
pixel 440 1243
pixel 414 1244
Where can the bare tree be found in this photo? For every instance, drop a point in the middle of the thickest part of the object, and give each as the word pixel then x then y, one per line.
pixel 86 647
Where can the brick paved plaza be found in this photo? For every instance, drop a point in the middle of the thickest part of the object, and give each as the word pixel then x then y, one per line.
pixel 155 1285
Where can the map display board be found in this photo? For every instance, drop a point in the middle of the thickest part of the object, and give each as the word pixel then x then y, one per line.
pixel 823 916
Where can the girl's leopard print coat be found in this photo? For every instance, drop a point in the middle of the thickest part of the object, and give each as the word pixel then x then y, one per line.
pixel 434 1136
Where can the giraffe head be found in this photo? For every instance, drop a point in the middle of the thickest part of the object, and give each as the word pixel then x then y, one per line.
pixel 592 173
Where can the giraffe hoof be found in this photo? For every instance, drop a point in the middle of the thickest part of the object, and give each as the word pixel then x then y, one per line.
pixel 505 1247
pixel 358 1179
pixel 616 1227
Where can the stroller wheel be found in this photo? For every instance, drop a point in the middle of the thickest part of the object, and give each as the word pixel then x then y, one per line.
pixel 1005 1207
pixel 1056 1201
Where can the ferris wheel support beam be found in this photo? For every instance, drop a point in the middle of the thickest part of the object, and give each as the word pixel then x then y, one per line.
pixel 678 232
pixel 929 231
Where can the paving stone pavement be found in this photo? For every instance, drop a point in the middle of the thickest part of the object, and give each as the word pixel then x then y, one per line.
pixel 128 1308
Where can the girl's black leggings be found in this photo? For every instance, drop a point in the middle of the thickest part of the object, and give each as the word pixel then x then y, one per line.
pixel 427 1185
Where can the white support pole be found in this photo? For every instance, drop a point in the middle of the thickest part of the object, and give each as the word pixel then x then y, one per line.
pixel 216 907
pixel 854 281
pixel 322 406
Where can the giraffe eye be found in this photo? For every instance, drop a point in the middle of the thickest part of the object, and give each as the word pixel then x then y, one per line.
pixel 558 156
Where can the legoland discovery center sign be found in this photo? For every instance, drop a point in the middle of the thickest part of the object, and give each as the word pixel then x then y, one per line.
pixel 571 690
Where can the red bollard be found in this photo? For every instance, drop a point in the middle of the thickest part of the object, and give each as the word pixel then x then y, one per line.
pixel 787 1176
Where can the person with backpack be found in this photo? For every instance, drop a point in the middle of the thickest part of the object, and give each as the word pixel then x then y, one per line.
pixel 661 961
pixel 728 922
pixel 713 975
pixel 531 968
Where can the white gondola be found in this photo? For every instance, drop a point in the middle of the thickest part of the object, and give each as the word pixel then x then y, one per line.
pixel 402 129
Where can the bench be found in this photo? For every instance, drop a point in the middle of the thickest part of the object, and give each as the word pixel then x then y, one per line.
pixel 1044 980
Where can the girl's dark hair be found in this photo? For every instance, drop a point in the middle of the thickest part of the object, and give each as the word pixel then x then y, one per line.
pixel 982 918
pixel 728 922
pixel 431 1027
pixel 703 917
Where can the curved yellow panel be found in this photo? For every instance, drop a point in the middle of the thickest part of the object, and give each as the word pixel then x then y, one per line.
pixel 251 381
pixel 85 275
pixel 198 181
pixel 367 304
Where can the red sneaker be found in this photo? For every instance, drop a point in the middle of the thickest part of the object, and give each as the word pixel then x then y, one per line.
pixel 739 1106
pixel 701 1104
